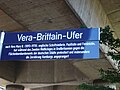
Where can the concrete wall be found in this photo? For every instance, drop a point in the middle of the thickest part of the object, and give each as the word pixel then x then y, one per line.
pixel 7 70
pixel 64 71
pixel 44 88
pixel 35 72
pixel 90 11
pixel 93 15
pixel 64 87
pixel 47 72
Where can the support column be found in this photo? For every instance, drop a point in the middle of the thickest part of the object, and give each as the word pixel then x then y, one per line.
pixel 14 87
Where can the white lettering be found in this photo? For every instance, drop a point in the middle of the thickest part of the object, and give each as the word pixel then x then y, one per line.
pixel 21 37
pixel 49 36
pixel 74 35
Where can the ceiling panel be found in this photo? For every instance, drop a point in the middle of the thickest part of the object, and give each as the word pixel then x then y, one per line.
pixel 40 14
pixel 112 9
pixel 16 6
pixel 110 5
pixel 8 24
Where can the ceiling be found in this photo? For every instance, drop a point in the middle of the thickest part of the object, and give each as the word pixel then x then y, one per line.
pixel 32 15
pixel 37 15
pixel 112 9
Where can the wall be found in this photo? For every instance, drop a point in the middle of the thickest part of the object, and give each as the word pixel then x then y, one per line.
pixel 64 87
pixel 7 70
pixel 90 11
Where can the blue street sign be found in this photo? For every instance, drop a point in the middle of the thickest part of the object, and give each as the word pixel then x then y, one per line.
pixel 49 45
pixel 51 36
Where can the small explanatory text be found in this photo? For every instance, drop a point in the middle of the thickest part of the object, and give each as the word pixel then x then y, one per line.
pixel 49 50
